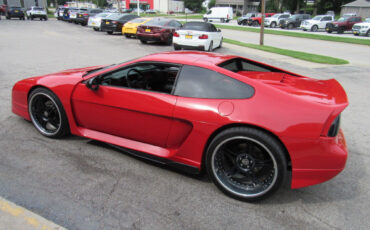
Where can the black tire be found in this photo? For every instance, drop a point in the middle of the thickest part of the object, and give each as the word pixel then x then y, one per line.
pixel 210 47
pixel 96 29
pixel 244 23
pixel 47 113
pixel 110 32
pixel 223 20
pixel 31 17
pixel 143 42
pixel 7 17
pixel 46 18
pixel 304 30
pixel 356 34
pixel 329 31
pixel 273 24
pixel 205 19
pixel 340 30
pixel 169 40
pixel 367 33
pixel 127 35
pixel 176 47
pixel 28 18
pixel 290 26
pixel 255 23
pixel 314 28
pixel 246 163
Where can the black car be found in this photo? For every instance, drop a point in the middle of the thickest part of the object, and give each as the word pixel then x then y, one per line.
pixel 15 12
pixel 83 17
pixel 113 23
pixel 293 21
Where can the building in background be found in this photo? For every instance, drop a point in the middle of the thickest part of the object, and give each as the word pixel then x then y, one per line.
pixel 168 6
pixel 81 4
pixel 360 8
pixel 24 3
pixel 241 6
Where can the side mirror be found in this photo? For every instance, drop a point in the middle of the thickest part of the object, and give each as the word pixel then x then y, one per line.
pixel 218 30
pixel 93 83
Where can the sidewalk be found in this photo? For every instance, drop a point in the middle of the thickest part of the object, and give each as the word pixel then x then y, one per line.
pixel 14 217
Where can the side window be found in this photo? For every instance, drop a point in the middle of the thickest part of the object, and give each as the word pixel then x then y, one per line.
pixel 198 82
pixel 213 28
pixel 152 76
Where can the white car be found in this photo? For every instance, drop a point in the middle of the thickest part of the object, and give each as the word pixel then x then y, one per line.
pixel 362 28
pixel 316 23
pixel 197 35
pixel 36 12
pixel 274 20
pixel 224 14
pixel 95 21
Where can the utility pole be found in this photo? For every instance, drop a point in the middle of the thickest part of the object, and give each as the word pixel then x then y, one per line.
pixel 138 7
pixel 262 30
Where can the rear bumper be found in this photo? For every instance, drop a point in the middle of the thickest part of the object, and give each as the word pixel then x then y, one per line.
pixel 129 30
pixel 105 28
pixel 38 15
pixel 191 44
pixel 151 37
pixel 316 161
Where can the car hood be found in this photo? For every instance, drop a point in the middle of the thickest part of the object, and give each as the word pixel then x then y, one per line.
pixel 328 92
pixel 363 24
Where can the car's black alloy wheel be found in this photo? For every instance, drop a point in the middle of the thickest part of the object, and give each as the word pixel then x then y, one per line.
pixel 245 163
pixel 47 113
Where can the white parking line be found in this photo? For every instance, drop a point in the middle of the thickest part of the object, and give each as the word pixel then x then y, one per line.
pixel 15 217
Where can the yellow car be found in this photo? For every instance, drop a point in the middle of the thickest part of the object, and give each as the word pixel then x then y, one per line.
pixel 130 28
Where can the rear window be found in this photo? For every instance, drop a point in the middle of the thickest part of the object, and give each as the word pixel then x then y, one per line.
pixel 197 26
pixel 115 16
pixel 38 8
pixel 239 64
pixel 15 8
pixel 157 22
pixel 138 20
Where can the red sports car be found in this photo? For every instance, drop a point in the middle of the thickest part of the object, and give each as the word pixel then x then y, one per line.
pixel 246 123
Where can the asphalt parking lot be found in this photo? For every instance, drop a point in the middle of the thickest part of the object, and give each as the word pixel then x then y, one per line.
pixel 83 184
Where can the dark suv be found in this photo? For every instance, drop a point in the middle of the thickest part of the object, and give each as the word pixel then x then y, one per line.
pixel 83 17
pixel 293 21
pixel 343 24
pixel 15 12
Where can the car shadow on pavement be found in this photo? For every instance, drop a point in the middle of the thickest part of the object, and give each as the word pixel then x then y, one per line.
pixel 202 176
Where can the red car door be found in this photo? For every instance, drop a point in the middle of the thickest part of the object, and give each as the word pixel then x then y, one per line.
pixel 134 114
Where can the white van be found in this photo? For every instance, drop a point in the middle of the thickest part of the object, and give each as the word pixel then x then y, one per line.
pixel 224 14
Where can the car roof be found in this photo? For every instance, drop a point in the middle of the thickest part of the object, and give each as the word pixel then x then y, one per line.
pixel 189 57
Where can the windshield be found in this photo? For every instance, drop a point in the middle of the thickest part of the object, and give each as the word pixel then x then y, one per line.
pixel 342 19
pixel 249 15
pixel 293 17
pixel 38 8
pixel 317 18
pixel 275 15
pixel 367 20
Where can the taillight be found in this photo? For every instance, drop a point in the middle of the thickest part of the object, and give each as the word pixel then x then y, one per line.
pixel 85 14
pixel 203 36
pixel 115 22
pixel 334 127
pixel 176 34
pixel 140 29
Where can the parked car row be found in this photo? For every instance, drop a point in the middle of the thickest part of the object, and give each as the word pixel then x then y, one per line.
pixel 192 35
pixel 31 13
pixel 303 21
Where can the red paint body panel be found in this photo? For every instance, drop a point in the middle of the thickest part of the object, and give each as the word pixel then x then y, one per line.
pixel 297 110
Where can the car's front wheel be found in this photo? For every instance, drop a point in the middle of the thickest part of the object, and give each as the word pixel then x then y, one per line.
pixel 47 113
pixel 314 28
pixel 110 32
pixel 273 24
pixel 246 163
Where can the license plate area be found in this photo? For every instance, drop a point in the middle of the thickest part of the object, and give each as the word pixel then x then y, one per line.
pixel 148 30
pixel 188 36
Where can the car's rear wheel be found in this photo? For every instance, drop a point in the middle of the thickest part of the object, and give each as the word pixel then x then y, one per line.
pixel 246 163
pixel 210 47
pixel 143 41
pixel 314 28
pixel 255 23
pixel 205 19
pixel 109 32
pixel 47 113
pixel 222 20
pixel 244 23
pixel 96 29
pixel 367 33
pixel 273 24
pixel 169 40
pixel 176 47
pixel 340 30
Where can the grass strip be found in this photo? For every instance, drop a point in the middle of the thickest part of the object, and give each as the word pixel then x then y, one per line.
pixel 299 35
pixel 291 53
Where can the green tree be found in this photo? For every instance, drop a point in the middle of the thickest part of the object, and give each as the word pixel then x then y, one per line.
pixel 194 5
pixel 211 3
